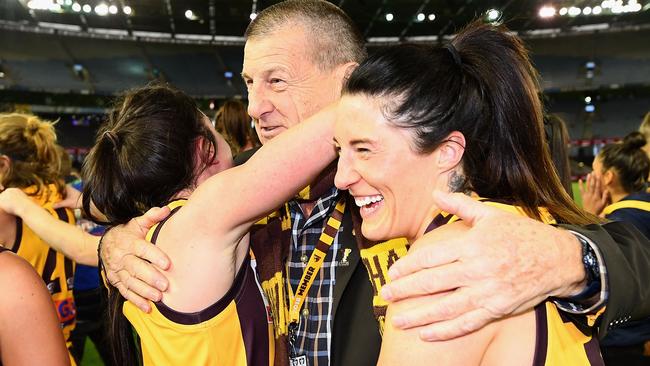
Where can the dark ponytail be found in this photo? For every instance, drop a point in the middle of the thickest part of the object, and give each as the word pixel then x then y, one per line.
pixel 144 153
pixel 143 156
pixel 629 161
pixel 483 85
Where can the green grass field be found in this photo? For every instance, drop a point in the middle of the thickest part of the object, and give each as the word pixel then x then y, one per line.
pixel 91 357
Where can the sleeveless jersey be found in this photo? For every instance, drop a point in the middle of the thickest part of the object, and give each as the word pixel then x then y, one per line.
pixel 234 331
pixel 56 270
pixel 560 339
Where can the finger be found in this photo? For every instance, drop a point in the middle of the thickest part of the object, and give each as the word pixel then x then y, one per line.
pixel 435 253
pixel 151 217
pixel 140 302
pixel 151 253
pixel 457 327
pixel 426 282
pixel 143 271
pixel 581 186
pixel 436 309
pixel 142 289
pixel 468 209
pixel 590 182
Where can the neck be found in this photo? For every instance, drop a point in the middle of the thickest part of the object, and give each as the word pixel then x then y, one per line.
pixel 307 208
pixel 617 194
pixel 186 193
pixel 431 214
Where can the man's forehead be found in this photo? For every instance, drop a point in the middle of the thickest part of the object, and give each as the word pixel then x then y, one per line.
pixel 262 54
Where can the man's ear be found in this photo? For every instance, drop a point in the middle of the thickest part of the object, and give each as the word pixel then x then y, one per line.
pixel 343 72
pixel 451 151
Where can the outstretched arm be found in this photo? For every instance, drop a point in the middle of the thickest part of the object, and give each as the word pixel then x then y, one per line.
pixel 275 173
pixel 68 239
pixel 29 328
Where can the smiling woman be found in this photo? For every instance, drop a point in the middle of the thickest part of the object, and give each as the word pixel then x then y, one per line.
pixel 460 118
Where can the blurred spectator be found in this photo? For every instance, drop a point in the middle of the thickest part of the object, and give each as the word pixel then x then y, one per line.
pixel 234 123
pixel 616 190
pixel 558 140
pixel 29 162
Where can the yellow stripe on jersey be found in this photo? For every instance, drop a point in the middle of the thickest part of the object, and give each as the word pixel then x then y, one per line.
pixel 639 205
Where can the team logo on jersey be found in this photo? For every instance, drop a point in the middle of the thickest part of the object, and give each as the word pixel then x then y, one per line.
pixel 66 311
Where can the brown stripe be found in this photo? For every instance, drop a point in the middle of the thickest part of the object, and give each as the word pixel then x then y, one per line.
pixel 19 235
pixel 212 310
pixel 438 221
pixel 541 341
pixel 253 320
pixel 592 349
pixel 154 236
pixel 53 285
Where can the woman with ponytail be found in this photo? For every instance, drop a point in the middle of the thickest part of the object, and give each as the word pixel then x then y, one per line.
pixel 29 161
pixel 463 117
pixel 157 149
pixel 616 188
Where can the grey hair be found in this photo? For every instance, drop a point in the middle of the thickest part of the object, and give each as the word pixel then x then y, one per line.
pixel 334 38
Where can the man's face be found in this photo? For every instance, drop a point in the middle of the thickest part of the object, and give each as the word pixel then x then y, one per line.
pixel 284 85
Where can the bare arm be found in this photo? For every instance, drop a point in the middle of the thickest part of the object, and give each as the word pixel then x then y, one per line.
pixel 68 239
pixel 275 173
pixel 29 328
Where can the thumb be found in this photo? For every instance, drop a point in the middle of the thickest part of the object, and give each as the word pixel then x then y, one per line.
pixel 468 209
pixel 152 217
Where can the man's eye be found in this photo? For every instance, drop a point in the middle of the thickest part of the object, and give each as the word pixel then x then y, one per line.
pixel 276 81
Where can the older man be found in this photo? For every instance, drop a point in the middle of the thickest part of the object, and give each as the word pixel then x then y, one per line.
pixel 296 59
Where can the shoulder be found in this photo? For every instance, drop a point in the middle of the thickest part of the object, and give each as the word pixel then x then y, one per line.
pixel 16 275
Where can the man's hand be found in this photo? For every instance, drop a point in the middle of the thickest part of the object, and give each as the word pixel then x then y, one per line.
pixel 502 264
pixel 72 199
pixel 129 260
pixel 594 196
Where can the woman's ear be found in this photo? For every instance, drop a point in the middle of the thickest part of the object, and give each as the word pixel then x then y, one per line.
pixel 451 151
pixel 608 177
pixel 5 164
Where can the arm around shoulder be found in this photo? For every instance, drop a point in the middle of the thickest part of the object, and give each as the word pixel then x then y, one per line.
pixel 29 328
pixel 626 255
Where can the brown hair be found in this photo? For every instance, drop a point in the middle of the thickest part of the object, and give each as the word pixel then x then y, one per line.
pixel 483 85
pixel 233 122
pixel 30 144
pixel 629 161
pixel 333 36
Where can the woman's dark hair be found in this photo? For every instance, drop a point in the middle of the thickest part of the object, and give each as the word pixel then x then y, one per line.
pixel 629 161
pixel 144 154
pixel 234 123
pixel 483 85
pixel 558 139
